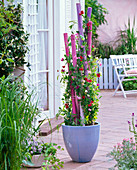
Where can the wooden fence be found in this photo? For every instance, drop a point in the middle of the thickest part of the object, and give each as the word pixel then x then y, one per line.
pixel 108 80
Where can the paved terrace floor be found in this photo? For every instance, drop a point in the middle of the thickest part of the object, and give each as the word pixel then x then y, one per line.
pixel 113 115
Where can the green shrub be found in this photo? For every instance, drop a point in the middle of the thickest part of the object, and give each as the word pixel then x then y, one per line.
pixel 97 16
pixel 125 43
pixel 13 39
pixel 130 85
pixel 16 116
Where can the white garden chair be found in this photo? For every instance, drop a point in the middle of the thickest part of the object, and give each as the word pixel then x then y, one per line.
pixel 125 66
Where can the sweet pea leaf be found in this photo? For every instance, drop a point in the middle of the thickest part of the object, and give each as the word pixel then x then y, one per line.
pixel 0 61
pixel 10 60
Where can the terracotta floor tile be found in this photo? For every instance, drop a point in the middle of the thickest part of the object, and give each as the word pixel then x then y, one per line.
pixel 113 115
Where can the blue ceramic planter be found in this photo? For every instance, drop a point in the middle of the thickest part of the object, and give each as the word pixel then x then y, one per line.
pixel 81 141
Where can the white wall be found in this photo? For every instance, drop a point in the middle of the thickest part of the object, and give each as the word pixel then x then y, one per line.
pixel 119 12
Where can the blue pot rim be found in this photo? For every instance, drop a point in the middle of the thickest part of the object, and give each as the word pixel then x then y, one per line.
pixel 98 124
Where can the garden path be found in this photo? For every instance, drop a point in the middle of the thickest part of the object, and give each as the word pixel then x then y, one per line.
pixel 113 115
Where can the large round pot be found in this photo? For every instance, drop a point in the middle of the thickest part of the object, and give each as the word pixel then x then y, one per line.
pixel 81 141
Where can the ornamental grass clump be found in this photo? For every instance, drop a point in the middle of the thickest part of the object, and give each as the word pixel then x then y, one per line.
pixel 17 114
pixel 80 100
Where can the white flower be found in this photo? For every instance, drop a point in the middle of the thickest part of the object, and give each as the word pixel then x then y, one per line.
pixel 95 83
pixel 86 91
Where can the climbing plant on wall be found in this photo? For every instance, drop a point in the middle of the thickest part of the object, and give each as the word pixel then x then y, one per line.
pixel 13 38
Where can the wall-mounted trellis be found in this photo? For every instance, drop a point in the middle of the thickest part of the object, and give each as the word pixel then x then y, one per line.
pixel 30 24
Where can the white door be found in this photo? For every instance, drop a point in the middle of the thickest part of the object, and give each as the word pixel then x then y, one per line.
pixel 38 21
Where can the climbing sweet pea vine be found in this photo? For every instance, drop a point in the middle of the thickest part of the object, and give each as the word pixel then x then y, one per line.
pixel 81 83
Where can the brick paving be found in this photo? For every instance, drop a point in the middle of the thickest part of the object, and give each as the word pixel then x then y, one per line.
pixel 113 115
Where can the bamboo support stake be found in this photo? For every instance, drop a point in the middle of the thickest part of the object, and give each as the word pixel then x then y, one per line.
pixel 80 29
pixel 89 39
pixel 66 44
pixel 72 89
pixel 89 12
pixel 74 57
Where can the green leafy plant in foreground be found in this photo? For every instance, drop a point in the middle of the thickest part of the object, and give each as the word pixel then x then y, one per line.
pixel 125 154
pixel 16 116
pixel 48 150
pixel 51 159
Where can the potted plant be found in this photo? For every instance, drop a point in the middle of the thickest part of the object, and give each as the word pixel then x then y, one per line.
pixel 81 97
pixel 41 154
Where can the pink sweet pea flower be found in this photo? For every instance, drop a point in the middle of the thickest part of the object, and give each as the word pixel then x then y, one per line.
pixel 79 98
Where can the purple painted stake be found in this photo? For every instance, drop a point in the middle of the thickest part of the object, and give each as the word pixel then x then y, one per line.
pixel 89 12
pixel 73 44
pixel 89 40
pixel 66 44
pixel 72 89
pixel 80 29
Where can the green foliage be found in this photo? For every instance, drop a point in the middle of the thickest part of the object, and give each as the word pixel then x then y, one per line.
pixel 125 43
pixel 16 116
pixel 132 127
pixel 125 154
pixel 104 50
pixel 97 16
pixel 130 85
pixel 127 40
pixel 86 87
pixel 51 159
pixel 13 39
pixel 49 150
